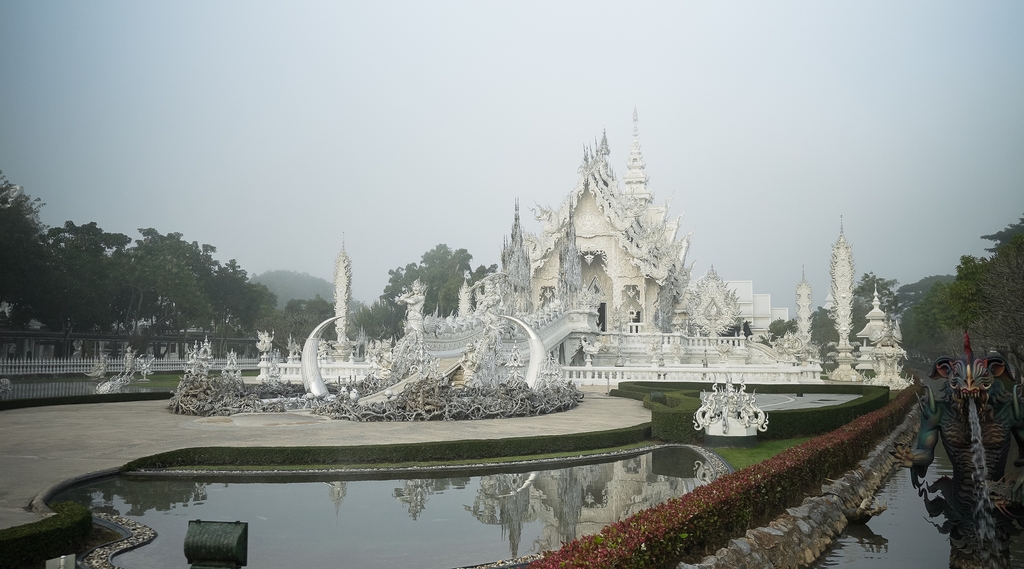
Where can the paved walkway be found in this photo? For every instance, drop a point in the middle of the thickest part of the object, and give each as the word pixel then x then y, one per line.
pixel 43 446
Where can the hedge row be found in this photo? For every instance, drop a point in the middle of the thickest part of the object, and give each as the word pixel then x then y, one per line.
pixel 700 522
pixel 474 449
pixel 59 534
pixel 79 399
pixel 673 421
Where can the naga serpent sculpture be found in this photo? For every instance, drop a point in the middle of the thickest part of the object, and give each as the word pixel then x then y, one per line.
pixel 975 416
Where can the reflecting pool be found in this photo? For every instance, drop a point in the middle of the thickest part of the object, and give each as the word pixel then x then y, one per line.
pixel 903 535
pixel 454 519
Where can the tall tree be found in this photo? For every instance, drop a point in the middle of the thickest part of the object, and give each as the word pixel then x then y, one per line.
pixel 81 263
pixel 441 269
pixel 1002 293
pixel 166 285
pixel 21 249
pixel 236 303
pixel 1004 236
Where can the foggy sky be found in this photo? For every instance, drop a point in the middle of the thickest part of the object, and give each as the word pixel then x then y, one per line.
pixel 274 130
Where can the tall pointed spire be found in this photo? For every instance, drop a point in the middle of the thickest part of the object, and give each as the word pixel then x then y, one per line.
pixel 515 262
pixel 635 178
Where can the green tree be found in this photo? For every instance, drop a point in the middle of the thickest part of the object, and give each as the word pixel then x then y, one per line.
pixel 165 286
pixel 1004 236
pixel 81 262
pixel 236 303
pixel 928 326
pixel 21 249
pixel 441 269
pixel 297 320
pixel 910 294
pixel 1001 289
pixel 823 332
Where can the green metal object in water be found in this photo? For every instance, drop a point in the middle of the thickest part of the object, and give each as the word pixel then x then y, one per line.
pixel 210 545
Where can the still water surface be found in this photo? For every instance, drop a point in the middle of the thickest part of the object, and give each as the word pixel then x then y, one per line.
pixel 433 523
pixel 903 536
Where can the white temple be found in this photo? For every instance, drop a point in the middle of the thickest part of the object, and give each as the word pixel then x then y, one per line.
pixel 604 294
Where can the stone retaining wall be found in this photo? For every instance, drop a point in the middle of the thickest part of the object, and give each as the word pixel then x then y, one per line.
pixel 795 539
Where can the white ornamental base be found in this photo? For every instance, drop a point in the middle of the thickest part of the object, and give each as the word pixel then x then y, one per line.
pixel 739 436
pixel 736 429
pixel 263 366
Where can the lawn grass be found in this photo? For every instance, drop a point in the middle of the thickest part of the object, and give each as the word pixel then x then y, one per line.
pixel 743 457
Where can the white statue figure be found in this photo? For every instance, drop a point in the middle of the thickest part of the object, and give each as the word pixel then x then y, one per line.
pixel 590 349
pixel 144 365
pixel 294 350
pixel 414 300
pixel 465 300
pixel 99 369
pixel 114 384
pixel 266 341
pixel 264 345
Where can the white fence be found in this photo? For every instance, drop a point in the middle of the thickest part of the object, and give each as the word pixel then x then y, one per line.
pixel 36 390
pixel 750 374
pixel 60 366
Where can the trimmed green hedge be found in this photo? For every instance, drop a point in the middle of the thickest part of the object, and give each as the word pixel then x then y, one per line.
pixel 673 422
pixel 59 534
pixel 790 423
pixel 394 453
pixel 80 399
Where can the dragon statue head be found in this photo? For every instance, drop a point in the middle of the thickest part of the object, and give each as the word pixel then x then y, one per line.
pixel 969 377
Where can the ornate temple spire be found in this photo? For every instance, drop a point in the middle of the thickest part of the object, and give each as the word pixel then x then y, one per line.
pixel 515 262
pixel 342 298
pixel 803 308
pixel 570 270
pixel 842 270
pixel 635 178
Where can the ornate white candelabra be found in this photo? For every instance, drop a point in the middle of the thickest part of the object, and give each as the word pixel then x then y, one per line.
pixel 729 416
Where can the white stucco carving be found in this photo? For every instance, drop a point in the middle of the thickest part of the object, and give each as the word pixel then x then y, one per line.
pixel 842 311
pixel 713 308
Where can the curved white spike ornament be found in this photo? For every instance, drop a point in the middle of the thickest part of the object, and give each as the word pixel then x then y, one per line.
pixel 311 378
pixel 537 351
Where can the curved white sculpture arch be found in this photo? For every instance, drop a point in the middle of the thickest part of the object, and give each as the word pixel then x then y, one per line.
pixel 537 351
pixel 311 378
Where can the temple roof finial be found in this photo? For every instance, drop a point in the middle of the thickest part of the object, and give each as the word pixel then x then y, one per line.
pixel 636 177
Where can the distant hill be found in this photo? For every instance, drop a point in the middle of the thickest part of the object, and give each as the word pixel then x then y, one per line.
pixel 290 284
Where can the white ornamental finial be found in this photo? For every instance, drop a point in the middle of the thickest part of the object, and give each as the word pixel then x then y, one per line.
pixel 636 177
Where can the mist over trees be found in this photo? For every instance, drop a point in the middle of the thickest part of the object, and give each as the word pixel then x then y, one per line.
pixel 985 298
pixel 441 269
pixel 289 285
pixel 80 278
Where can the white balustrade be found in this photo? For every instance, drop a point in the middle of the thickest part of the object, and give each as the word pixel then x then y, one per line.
pixel 61 366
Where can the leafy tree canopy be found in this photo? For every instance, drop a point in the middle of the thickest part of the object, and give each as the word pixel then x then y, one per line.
pixel 21 249
pixel 441 269
pixel 1004 236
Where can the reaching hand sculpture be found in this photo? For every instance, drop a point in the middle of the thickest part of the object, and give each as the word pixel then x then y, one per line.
pixel 975 416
